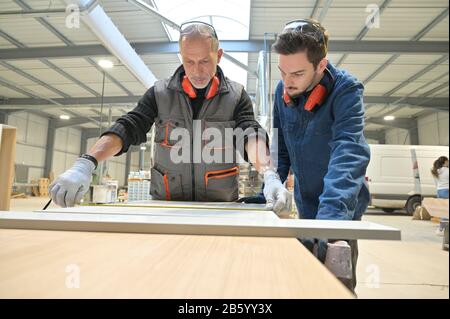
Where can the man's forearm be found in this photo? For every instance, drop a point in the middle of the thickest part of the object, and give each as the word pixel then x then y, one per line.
pixel 258 154
pixel 106 147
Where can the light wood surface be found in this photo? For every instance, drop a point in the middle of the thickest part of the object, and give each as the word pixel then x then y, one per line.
pixel 437 207
pixel 7 156
pixel 45 264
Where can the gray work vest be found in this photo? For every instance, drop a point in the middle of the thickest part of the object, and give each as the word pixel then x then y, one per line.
pixel 194 179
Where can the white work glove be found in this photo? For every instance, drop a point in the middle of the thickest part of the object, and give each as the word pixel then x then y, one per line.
pixel 278 198
pixel 69 188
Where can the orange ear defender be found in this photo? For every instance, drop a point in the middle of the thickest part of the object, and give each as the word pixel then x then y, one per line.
pixel 318 94
pixel 190 90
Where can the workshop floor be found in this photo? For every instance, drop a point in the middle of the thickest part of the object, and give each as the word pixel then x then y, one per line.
pixel 415 267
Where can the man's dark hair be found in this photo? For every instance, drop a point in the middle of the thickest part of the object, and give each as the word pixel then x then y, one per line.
pixel 312 39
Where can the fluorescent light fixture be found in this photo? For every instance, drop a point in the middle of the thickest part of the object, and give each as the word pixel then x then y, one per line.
pixel 109 35
pixel 389 118
pixel 143 148
pixel 64 117
pixel 106 64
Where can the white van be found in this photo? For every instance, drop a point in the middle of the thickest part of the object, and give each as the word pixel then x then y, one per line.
pixel 393 182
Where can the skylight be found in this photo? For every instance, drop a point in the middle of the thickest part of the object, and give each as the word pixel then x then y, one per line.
pixel 230 18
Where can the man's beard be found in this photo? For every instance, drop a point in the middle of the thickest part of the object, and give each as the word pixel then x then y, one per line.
pixel 308 88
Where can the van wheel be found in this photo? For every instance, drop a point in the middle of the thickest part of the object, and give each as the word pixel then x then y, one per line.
pixel 412 203
pixel 388 210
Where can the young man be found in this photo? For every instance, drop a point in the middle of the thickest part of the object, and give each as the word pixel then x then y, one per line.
pixel 319 115
pixel 188 108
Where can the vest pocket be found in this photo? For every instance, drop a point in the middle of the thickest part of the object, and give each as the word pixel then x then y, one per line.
pixel 163 131
pixel 165 186
pixel 222 185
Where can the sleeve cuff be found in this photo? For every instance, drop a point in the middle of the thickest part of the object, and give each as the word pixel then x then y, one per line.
pixel 118 130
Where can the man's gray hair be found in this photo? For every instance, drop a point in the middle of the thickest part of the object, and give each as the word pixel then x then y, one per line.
pixel 199 30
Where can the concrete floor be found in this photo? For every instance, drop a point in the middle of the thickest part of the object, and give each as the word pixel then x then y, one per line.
pixel 415 267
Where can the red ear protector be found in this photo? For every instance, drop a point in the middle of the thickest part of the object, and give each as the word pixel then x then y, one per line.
pixel 318 94
pixel 190 90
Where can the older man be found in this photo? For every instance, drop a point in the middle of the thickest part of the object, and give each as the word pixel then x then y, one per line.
pixel 196 98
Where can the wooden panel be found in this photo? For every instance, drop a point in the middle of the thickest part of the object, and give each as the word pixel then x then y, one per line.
pixel 7 156
pixel 169 211
pixel 192 205
pixel 52 264
pixel 176 221
pixel 437 207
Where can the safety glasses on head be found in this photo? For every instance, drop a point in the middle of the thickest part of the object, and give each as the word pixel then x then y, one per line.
pixel 307 27
pixel 188 27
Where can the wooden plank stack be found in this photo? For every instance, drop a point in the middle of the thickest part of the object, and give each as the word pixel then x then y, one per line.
pixel 43 186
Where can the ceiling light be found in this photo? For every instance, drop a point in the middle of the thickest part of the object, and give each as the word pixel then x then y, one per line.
pixel 106 64
pixel 64 117
pixel 389 118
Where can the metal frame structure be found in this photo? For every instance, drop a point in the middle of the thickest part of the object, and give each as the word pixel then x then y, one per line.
pixel 426 99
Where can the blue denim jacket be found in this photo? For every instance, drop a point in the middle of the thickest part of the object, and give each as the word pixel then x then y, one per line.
pixel 326 151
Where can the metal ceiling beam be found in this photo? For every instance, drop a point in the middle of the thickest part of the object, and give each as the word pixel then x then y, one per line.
pixel 33 79
pixel 381 68
pixel 118 101
pixel 415 39
pixel 19 44
pixel 431 25
pixel 81 120
pixel 38 81
pixel 34 96
pixel 440 103
pixel 314 10
pixel 32 13
pixel 434 90
pixel 250 46
pixel 69 43
pixel 324 10
pixel 74 101
pixel 403 123
pixel 364 30
pixel 70 77
pixel 425 70
pixel 27 92
pixel 399 100
pixel 43 12
pixel 9 38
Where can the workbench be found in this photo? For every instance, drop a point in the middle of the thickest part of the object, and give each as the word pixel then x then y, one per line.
pixel 37 263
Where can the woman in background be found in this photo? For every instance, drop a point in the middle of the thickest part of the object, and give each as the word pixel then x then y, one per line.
pixel 440 174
